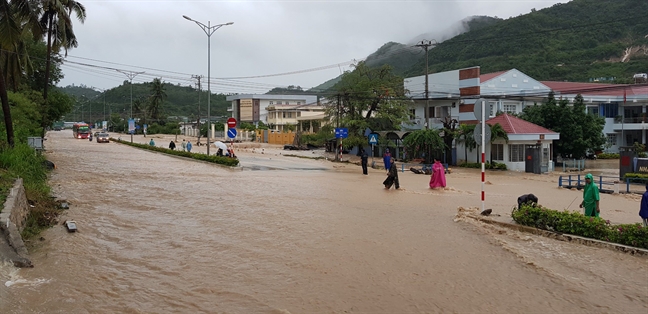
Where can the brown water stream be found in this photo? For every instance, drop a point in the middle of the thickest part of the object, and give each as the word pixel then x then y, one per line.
pixel 160 234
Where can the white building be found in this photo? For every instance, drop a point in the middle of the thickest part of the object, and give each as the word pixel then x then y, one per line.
pixel 624 107
pixel 254 108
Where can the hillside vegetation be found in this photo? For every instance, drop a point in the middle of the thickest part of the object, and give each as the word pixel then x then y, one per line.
pixel 576 41
pixel 180 101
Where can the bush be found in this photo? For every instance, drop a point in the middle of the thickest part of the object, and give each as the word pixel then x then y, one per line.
pixel 608 156
pixel 634 175
pixel 580 225
pixel 231 162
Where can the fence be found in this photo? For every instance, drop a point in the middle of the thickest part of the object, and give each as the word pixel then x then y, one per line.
pixel 606 184
pixel 573 165
pixel 636 185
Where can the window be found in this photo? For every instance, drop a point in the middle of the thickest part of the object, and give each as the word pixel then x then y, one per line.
pixel 612 139
pixel 284 114
pixel 593 110
pixel 497 152
pixel 412 114
pixel 609 110
pixel 509 108
pixel 516 153
pixel 290 114
pixel 439 111
pixel 271 102
pixel 298 103
pixel 279 103
pixel 491 107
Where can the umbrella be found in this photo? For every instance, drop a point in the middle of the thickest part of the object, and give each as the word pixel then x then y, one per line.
pixel 220 145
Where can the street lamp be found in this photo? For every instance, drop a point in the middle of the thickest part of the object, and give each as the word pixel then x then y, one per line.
pixel 131 75
pixel 209 30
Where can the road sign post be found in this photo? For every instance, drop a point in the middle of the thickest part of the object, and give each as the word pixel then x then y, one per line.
pixel 340 133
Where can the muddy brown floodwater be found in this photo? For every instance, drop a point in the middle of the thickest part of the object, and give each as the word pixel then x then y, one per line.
pixel 159 234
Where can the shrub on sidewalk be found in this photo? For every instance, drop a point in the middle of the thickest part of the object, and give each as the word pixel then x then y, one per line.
pixel 232 162
pixel 580 225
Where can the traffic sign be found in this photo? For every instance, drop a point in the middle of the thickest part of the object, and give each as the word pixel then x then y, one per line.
pixel 341 132
pixel 231 133
pixel 478 109
pixel 231 123
pixel 477 134
pixel 373 138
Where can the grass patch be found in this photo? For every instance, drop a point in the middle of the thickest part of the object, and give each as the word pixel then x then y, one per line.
pixel 608 156
pixel 6 183
pixel 23 162
pixel 231 162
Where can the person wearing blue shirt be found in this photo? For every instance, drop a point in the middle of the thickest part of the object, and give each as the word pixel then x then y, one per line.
pixel 643 210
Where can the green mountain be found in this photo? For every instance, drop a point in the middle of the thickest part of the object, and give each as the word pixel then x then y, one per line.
pixel 576 41
pixel 402 58
pixel 580 41
pixel 180 101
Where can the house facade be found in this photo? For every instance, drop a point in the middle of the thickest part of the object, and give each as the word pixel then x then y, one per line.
pixel 622 106
pixel 253 108
pixel 283 117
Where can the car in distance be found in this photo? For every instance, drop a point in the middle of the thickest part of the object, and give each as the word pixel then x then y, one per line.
pixel 103 138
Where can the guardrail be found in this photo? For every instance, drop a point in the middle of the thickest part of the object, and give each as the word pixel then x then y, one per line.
pixel 607 184
pixel 635 185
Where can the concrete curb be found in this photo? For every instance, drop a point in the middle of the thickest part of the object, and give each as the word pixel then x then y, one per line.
pixel 12 220
pixel 564 237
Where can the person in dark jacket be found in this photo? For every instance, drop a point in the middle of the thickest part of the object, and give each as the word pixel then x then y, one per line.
pixel 172 145
pixel 364 158
pixel 392 176
pixel 643 210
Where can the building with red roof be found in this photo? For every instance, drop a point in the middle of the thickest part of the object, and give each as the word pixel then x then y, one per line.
pixel 524 140
pixel 624 107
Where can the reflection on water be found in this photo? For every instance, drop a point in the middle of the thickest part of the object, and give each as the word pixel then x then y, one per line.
pixel 164 234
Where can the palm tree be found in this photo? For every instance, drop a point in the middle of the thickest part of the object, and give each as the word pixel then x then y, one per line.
pixel 156 99
pixel 497 132
pixel 466 133
pixel 15 18
pixel 56 20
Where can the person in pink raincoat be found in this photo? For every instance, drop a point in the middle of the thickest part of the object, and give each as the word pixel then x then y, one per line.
pixel 437 180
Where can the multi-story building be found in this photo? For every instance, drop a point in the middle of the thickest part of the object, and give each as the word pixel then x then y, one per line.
pixel 294 117
pixel 622 106
pixel 253 108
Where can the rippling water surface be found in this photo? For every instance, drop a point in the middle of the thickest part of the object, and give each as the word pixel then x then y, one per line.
pixel 165 234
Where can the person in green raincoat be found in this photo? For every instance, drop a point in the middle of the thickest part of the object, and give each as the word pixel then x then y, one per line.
pixel 591 197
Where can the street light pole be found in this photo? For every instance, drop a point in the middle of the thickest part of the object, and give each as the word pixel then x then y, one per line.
pixel 131 75
pixel 209 30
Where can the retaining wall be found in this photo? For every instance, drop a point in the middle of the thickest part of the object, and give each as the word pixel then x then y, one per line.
pixel 12 222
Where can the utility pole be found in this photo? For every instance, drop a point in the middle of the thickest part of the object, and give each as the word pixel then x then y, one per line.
pixel 198 77
pixel 337 142
pixel 426 44
pixel 131 75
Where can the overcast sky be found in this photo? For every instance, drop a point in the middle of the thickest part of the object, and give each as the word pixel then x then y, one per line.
pixel 266 39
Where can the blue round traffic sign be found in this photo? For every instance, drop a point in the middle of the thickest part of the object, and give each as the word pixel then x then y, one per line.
pixel 231 133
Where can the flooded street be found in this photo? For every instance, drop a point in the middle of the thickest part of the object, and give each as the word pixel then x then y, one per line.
pixel 161 234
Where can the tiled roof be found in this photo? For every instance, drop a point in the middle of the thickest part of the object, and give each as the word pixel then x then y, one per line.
pixel 515 125
pixel 488 76
pixel 596 89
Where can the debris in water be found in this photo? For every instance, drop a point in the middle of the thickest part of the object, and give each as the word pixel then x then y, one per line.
pixel 487 212
pixel 71 225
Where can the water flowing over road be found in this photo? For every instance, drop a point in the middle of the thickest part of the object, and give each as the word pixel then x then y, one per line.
pixel 162 234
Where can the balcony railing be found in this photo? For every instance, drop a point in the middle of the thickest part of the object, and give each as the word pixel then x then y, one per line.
pixel 631 120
